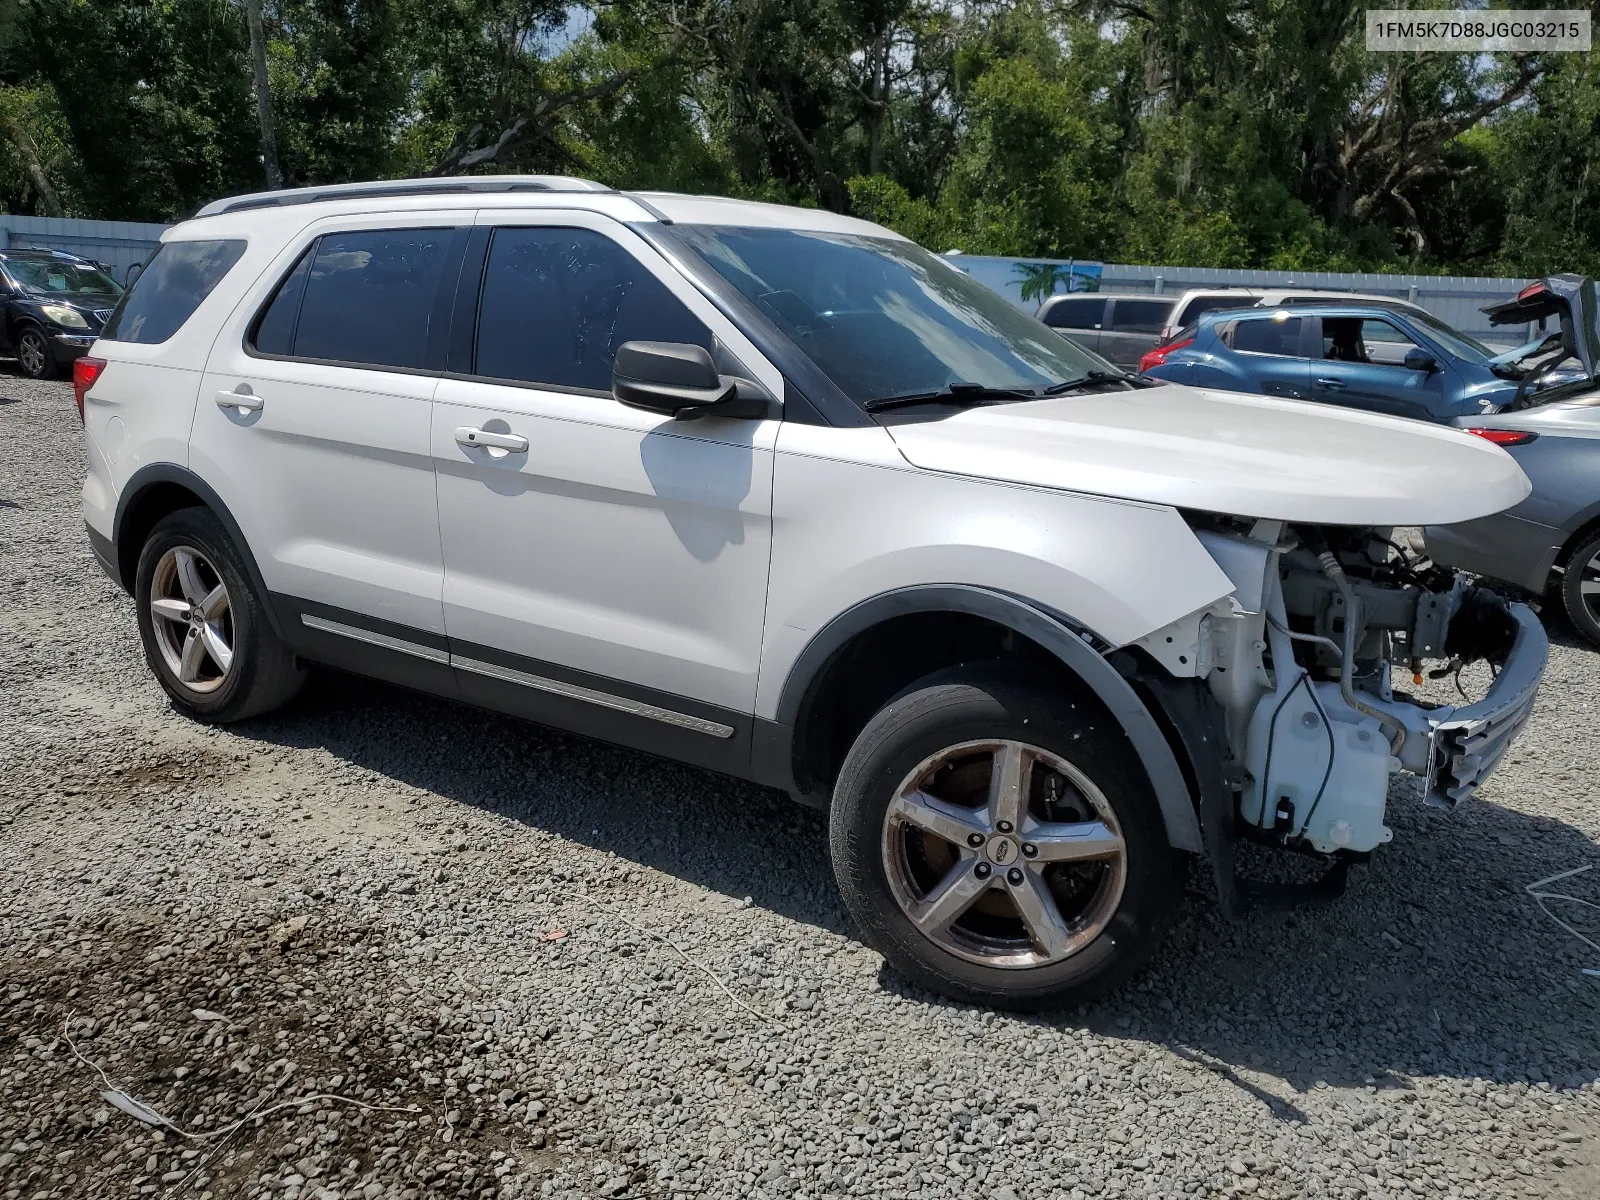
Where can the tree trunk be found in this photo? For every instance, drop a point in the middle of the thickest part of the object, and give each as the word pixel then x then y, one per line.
pixel 258 62
pixel 34 166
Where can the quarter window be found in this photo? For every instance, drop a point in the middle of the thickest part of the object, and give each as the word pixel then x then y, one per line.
pixel 178 277
pixel 557 303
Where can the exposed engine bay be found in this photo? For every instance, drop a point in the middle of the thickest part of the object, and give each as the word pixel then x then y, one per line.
pixel 1302 661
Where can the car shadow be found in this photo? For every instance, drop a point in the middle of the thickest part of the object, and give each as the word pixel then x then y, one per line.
pixel 1435 962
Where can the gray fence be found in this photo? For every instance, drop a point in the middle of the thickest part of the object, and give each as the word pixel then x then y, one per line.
pixel 120 245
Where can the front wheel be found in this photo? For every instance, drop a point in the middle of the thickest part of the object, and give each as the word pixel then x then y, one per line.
pixel 998 842
pixel 35 358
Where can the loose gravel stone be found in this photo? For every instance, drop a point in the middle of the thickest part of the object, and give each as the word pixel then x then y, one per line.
pixel 345 957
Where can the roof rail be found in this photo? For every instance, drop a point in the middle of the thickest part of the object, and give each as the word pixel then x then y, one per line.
pixel 403 187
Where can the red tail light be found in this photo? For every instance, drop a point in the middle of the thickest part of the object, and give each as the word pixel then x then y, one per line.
pixel 84 372
pixel 1533 289
pixel 1154 358
pixel 1505 437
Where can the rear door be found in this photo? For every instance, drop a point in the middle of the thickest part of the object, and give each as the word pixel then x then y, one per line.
pixel 1133 327
pixel 313 424
pixel 1079 319
pixel 1269 353
pixel 1362 365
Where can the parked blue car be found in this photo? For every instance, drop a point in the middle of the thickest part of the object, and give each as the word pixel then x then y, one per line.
pixel 1359 355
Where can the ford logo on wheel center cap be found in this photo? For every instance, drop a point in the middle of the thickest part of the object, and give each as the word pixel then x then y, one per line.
pixel 1001 850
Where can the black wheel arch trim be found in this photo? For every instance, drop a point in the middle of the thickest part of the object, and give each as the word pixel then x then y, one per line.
pixel 154 475
pixel 1072 645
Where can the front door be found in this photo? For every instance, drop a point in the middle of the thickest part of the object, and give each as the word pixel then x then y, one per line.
pixel 313 424
pixel 605 568
pixel 1362 365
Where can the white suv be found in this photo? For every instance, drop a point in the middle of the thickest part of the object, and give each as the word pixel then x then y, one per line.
pixel 778 493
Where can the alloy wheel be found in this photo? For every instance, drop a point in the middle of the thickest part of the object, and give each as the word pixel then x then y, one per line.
pixel 32 353
pixel 192 618
pixel 1004 854
pixel 1589 587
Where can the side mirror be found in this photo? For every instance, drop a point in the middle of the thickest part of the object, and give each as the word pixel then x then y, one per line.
pixel 672 378
pixel 1420 360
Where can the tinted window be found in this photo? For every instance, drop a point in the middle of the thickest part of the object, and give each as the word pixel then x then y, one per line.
pixel 1267 335
pixel 1075 314
pixel 275 329
pixel 558 302
pixel 369 296
pixel 171 287
pixel 1204 304
pixel 1140 316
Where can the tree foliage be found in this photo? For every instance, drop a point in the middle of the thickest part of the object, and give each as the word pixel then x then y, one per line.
pixel 1200 132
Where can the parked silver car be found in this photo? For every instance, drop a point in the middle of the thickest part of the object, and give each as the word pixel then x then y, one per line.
pixel 1550 543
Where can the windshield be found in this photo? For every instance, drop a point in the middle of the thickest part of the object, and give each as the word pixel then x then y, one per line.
pixel 1453 340
pixel 55 277
pixel 884 318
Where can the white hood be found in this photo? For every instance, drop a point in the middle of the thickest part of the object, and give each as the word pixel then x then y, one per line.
pixel 1225 452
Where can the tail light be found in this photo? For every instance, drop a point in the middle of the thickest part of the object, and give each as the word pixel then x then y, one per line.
pixel 84 373
pixel 1527 293
pixel 1505 437
pixel 1154 358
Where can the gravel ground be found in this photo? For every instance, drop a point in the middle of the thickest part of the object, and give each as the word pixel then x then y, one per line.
pixel 346 957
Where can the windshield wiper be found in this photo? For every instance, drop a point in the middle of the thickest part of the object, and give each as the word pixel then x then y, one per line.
pixel 1093 378
pixel 956 393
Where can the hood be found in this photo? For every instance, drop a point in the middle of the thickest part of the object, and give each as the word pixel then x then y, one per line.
pixel 1570 299
pixel 83 301
pixel 1225 452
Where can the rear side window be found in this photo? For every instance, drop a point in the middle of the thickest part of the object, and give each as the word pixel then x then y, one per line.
pixel 1076 314
pixel 556 304
pixel 1139 316
pixel 1204 304
pixel 367 299
pixel 178 277
pixel 1267 335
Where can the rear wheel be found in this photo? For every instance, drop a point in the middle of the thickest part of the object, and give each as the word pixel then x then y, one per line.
pixel 1580 588
pixel 999 843
pixel 35 358
pixel 205 633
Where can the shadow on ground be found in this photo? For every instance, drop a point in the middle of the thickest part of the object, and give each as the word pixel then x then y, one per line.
pixel 1436 961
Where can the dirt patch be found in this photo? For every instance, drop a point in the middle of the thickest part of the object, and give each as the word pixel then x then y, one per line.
pixel 232 1033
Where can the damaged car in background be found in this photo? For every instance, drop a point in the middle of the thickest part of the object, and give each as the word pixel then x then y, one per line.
pixel 1549 544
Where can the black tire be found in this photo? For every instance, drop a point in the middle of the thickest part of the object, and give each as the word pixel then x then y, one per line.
pixel 262 674
pixel 1583 567
pixel 36 358
pixel 971 704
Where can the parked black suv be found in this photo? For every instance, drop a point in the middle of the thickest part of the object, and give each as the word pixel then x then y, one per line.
pixel 52 307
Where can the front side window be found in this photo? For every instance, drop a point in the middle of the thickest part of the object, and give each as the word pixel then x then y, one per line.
pixel 1267 335
pixel 1364 340
pixel 178 278
pixel 58 277
pixel 557 302
pixel 883 318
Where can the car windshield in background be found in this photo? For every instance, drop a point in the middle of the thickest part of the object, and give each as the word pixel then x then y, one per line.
pixel 52 277
pixel 884 318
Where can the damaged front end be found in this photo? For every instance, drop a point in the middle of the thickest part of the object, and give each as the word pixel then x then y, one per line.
pixel 1291 686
